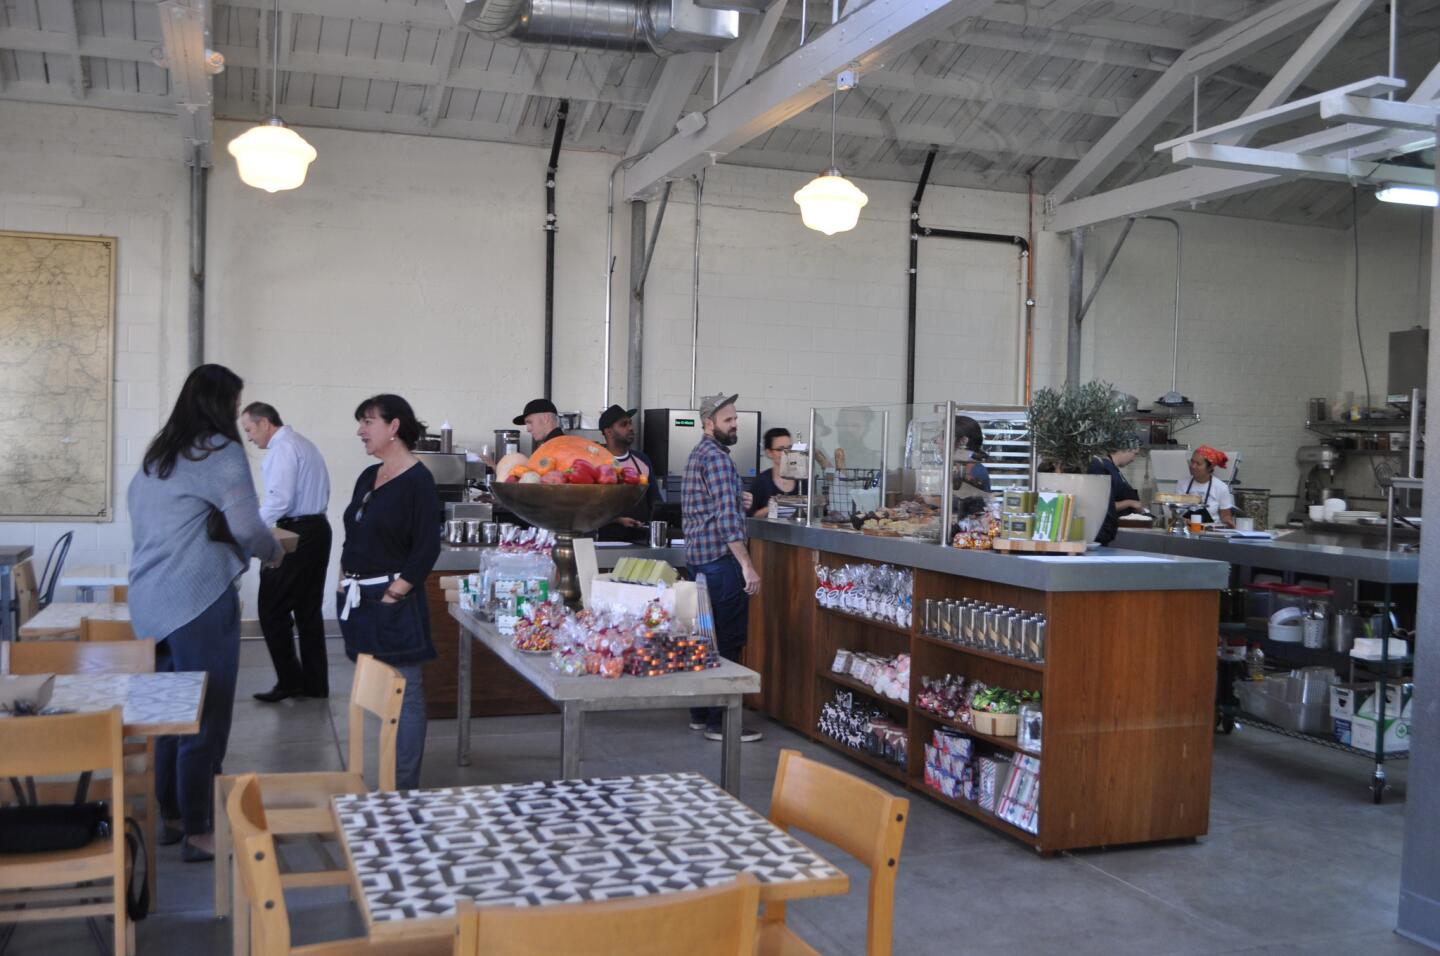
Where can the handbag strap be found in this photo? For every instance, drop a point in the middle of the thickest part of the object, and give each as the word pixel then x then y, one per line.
pixel 25 790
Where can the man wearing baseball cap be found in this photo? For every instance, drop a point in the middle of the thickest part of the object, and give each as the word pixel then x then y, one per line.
pixel 541 420
pixel 617 425
pixel 713 516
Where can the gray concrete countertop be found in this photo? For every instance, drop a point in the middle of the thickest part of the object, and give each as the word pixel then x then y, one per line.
pixel 466 559
pixel 1322 555
pixel 1103 569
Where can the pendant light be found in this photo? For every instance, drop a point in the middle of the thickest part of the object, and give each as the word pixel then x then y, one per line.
pixel 1407 195
pixel 272 156
pixel 830 203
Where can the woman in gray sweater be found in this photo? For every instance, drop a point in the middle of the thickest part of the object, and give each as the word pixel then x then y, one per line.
pixel 195 523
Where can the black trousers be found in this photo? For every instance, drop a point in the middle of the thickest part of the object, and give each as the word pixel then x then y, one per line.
pixel 291 598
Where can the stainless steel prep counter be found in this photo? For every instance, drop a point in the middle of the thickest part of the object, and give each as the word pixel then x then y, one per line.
pixel 465 559
pixel 1103 569
pixel 1317 555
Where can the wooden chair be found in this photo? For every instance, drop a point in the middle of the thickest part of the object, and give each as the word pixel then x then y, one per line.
pixel 299 803
pixel 260 880
pixel 120 594
pixel 127 657
pixel 27 592
pixel 856 816
pixel 98 629
pixel 68 744
pixel 719 921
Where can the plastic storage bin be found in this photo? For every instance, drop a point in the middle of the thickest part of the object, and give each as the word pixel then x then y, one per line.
pixel 1299 701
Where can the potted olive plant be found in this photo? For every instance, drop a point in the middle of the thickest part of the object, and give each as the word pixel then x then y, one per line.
pixel 1068 428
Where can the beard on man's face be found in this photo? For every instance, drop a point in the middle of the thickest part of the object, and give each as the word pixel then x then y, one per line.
pixel 727 438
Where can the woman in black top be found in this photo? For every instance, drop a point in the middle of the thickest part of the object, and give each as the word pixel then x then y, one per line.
pixel 768 483
pixel 1123 497
pixel 392 540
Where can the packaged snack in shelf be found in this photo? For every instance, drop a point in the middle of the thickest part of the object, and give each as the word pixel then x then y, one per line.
pixel 880 592
pixel 942 695
pixel 992 772
pixel 887 676
pixel 1031 721
pixel 1019 801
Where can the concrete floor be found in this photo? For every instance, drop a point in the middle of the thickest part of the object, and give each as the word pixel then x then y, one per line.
pixel 1297 860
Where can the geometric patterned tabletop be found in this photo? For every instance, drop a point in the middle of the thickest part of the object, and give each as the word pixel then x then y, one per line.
pixel 154 704
pixel 414 853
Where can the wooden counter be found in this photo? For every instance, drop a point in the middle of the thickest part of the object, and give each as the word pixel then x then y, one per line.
pixel 1128 692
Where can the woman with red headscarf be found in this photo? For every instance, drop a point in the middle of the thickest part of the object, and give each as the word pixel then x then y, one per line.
pixel 1217 504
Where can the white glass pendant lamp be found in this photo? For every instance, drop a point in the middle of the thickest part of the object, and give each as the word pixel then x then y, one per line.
pixel 272 156
pixel 830 203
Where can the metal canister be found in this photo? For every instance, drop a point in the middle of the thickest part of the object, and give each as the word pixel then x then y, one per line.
pixel 472 530
pixel 659 534
pixel 1038 649
pixel 489 533
pixel 455 531
pixel 1342 631
pixel 1011 636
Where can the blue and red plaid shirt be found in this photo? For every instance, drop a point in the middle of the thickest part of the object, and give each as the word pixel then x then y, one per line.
pixel 710 504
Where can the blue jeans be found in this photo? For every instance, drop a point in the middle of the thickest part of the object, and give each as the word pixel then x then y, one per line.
pixel 185 767
pixel 731 606
pixel 410 735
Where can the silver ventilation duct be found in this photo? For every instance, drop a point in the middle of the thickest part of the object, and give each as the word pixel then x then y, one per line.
pixel 660 26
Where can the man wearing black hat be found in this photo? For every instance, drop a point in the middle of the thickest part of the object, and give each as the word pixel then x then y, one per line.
pixel 541 419
pixel 618 427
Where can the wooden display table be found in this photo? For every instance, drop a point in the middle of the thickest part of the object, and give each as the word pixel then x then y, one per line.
pixel 1127 684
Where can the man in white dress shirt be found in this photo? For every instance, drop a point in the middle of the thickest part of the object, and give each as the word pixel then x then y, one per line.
pixel 297 492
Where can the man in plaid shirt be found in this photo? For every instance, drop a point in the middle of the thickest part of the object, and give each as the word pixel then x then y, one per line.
pixel 713 516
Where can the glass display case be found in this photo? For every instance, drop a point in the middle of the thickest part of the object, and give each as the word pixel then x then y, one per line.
pixel 898 470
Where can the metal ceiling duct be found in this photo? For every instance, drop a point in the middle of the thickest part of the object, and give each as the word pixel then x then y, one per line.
pixel 659 26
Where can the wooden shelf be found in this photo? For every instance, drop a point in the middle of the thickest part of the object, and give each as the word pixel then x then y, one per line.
pixel 987 655
pixel 851 683
pixel 973 810
pixel 894 771
pixel 1011 744
pixel 868 621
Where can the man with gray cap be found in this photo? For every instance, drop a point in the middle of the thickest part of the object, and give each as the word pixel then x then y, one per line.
pixel 713 516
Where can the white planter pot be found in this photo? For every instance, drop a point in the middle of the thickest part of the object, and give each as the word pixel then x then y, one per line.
pixel 1092 496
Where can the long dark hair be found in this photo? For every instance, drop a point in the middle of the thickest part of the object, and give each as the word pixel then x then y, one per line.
pixel 390 407
pixel 204 412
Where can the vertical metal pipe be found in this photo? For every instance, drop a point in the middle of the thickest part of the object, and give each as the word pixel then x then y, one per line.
pixel 947 490
pixel 884 455
pixel 551 225
pixel 1175 343
pixel 804 19
pixel 834 11
pixel 911 310
pixel 1077 303
pixel 610 268
pixel 810 475
pixel 195 352
pixel 695 290
pixel 1414 433
pixel 635 366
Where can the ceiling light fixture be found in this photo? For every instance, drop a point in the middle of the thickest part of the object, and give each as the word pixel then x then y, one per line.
pixel 830 203
pixel 272 156
pixel 1408 195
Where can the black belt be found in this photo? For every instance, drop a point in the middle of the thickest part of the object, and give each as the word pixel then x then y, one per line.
pixel 298 519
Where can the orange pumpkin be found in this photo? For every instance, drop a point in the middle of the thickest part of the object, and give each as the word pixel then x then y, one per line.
pixel 558 454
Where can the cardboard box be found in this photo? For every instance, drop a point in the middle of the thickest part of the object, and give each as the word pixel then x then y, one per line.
pixel 1363 730
pixel 1346 699
pixel 1397 700
pixel 289 540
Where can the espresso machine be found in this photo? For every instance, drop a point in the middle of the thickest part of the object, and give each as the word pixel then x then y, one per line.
pixel 1318 464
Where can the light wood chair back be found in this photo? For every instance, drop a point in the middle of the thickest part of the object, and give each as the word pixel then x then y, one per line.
pixel 719 921
pixel 27 590
pixel 96 629
pixel 71 657
pixel 852 814
pixel 258 869
pixel 120 594
pixel 377 689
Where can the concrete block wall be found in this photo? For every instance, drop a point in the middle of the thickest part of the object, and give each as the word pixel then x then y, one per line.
pixel 91 172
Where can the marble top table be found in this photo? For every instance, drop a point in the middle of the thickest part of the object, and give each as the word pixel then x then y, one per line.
pixel 85 578
pixel 723 686
pixel 152 704
pixel 414 854
pixel 62 619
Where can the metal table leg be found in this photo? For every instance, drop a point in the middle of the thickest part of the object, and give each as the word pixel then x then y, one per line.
pixel 730 747
pixel 571 729
pixel 462 699
pixel 7 624
pixel 85 594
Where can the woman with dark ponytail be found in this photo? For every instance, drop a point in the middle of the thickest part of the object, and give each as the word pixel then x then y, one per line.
pixel 195 523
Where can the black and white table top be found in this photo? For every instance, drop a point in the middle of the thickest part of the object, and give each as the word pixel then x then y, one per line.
pixel 151 704
pixel 413 854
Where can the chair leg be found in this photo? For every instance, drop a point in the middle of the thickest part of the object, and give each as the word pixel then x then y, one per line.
pixel 223 851
pixel 124 932
pixel 240 915
pixel 152 839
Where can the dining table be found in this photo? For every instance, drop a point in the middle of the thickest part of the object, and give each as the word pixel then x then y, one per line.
pixel 85 578
pixel 413 855
pixel 152 705
pixel 61 619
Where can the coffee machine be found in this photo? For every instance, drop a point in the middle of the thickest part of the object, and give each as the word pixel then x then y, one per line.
pixel 1318 464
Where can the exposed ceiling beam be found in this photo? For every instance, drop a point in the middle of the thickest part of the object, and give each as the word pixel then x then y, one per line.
pixel 796 162
pixel 1099 28
pixel 750 49
pixel 446 59
pixel 919 134
pixel 530 65
pixel 1035 43
pixel 608 72
pixel 986 92
pixel 429 14
pixel 672 93
pixel 793 84
pixel 46 41
pixel 1202 185
pixel 1226 47
pixel 49 93
pixel 70 29
pixel 185 26
pixel 1337 107
pixel 1250 159
pixel 1228 11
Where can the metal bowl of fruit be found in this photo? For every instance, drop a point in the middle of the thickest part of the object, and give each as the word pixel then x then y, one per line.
pixel 576 509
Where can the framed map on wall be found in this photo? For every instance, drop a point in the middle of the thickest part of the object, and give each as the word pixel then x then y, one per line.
pixel 57 356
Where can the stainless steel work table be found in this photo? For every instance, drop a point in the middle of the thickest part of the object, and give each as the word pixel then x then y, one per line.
pixel 1103 569
pixel 466 558
pixel 722 686
pixel 1320 555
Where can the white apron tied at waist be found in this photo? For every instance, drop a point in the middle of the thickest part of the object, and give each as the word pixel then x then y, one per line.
pixel 351 587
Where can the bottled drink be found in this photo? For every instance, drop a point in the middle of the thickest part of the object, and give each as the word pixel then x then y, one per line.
pixel 1255 663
